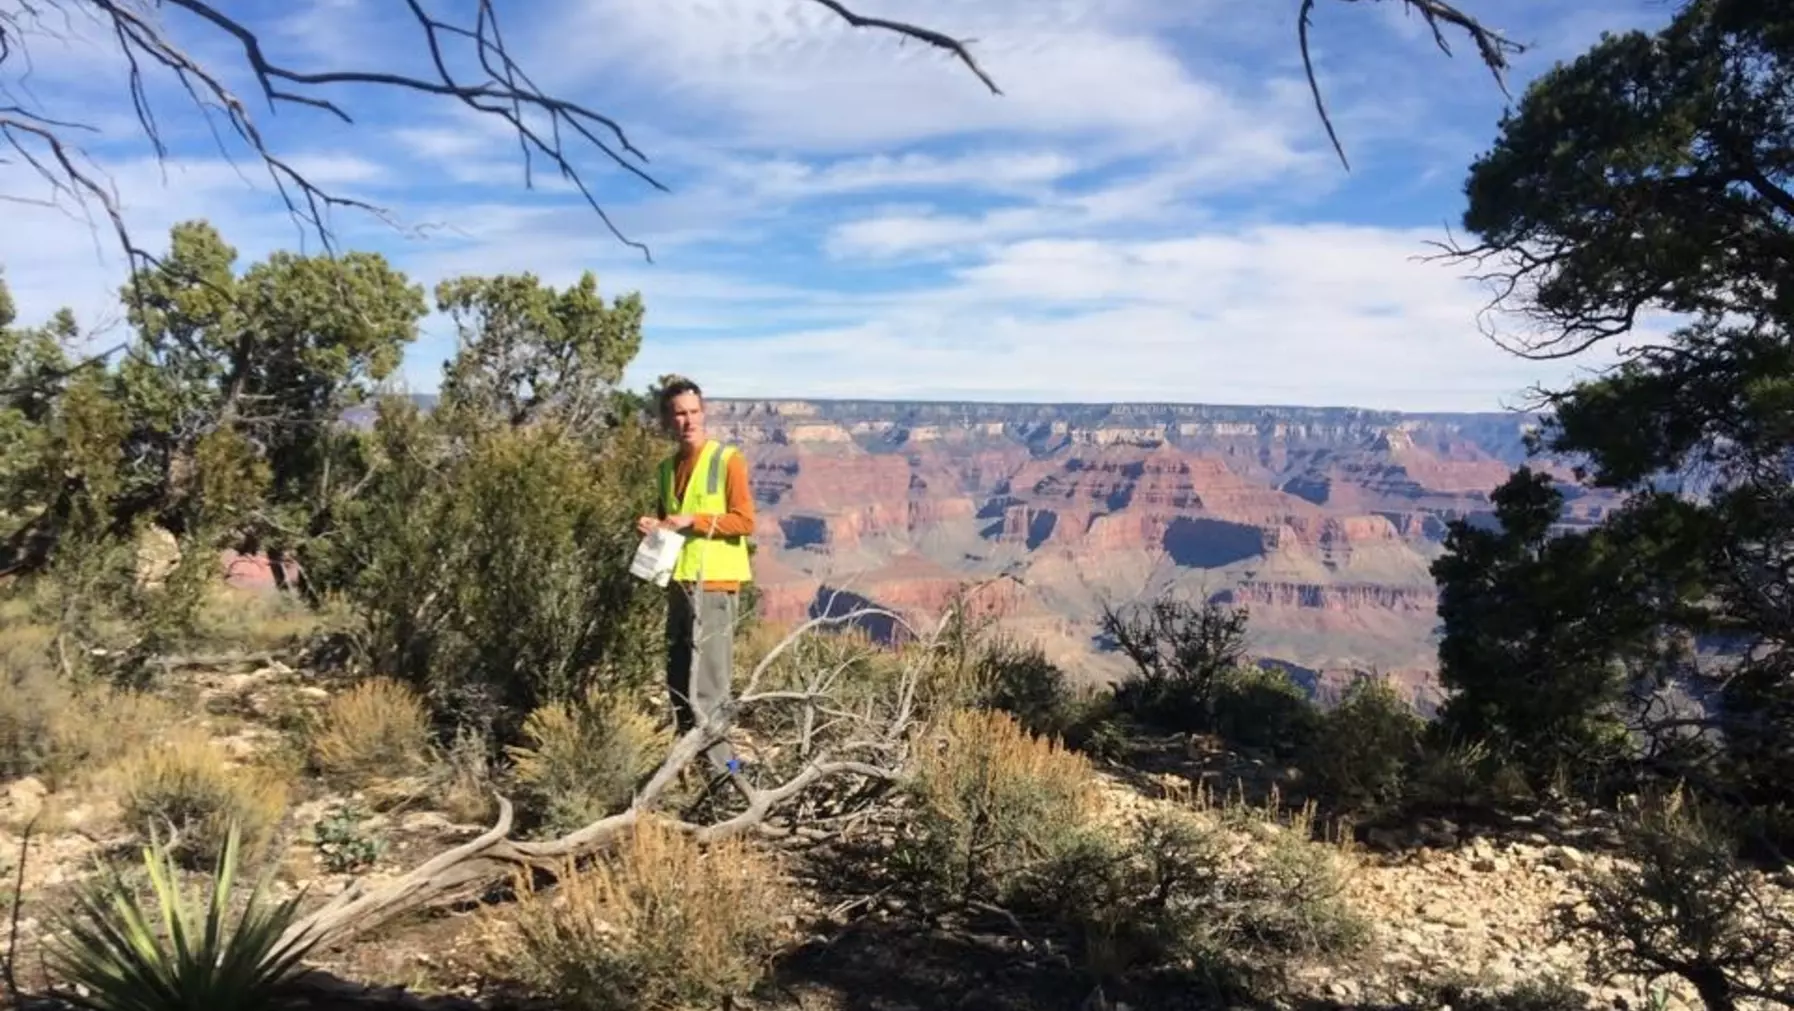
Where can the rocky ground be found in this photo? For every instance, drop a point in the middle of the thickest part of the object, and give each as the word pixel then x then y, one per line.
pixel 1449 905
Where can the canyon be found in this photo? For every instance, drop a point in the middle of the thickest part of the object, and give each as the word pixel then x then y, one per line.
pixel 1321 522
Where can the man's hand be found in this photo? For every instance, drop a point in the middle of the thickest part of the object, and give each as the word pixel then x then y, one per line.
pixel 678 522
pixel 646 525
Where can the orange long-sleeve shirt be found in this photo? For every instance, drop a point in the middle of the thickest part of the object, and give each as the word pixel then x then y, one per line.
pixel 738 521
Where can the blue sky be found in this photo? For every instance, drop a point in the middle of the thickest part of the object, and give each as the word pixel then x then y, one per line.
pixel 1151 211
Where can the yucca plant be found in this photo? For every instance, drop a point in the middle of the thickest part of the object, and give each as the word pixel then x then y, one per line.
pixel 111 949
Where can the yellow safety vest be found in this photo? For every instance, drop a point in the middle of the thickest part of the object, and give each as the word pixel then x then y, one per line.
pixel 719 559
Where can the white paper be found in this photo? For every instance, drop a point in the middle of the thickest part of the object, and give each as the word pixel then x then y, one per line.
pixel 656 556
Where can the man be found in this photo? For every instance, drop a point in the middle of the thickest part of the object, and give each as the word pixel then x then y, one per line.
pixel 704 496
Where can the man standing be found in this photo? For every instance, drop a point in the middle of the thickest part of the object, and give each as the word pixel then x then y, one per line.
pixel 704 497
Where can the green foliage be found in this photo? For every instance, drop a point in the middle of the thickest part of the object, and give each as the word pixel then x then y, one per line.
pixel 1652 175
pixel 486 551
pixel 343 844
pixel 1545 632
pixel 1684 903
pixel 992 802
pixel 1365 749
pixel 1019 679
pixel 1261 706
pixel 1182 653
pixel 219 424
pixel 528 350
pixel 1234 900
pixel 491 571
pixel 1629 171
pixel 227 960
pixel 220 417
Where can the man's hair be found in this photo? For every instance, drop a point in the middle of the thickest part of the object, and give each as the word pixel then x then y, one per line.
pixel 674 389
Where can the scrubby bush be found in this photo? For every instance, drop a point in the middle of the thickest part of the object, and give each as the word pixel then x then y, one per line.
pixel 1464 774
pixel 463 782
pixel 1685 904
pixel 1018 678
pixel 664 922
pixel 58 729
pixel 1548 993
pixel 1182 653
pixel 102 724
pixel 583 761
pixel 182 787
pixel 1365 749
pixel 1234 897
pixel 1290 893
pixel 992 801
pixel 489 564
pixel 1258 706
pixel 31 697
pixel 376 732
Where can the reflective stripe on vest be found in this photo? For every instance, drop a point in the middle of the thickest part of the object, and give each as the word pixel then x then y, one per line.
pixel 717 559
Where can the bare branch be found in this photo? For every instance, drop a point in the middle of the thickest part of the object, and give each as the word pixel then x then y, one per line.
pixel 933 38
pixel 502 89
pixel 1492 46
pixel 494 855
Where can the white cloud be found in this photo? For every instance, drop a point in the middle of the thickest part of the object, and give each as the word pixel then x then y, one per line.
pixel 989 170
pixel 1277 314
pixel 1150 210
pixel 791 74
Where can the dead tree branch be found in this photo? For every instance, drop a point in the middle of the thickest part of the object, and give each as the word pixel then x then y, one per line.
pixel 1492 46
pixel 545 125
pixel 875 751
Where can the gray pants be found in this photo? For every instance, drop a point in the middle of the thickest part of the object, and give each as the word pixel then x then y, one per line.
pixel 700 657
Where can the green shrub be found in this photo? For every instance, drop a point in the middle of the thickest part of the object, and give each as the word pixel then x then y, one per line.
pixel 1181 653
pixel 31 698
pixel 1238 899
pixel 1365 748
pixel 1263 707
pixel 342 842
pixel 167 958
pixel 1018 679
pixel 1550 993
pixel 489 564
pixel 1465 774
pixel 1685 903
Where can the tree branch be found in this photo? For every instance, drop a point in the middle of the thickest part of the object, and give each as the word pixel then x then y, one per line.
pixel 493 855
pixel 502 89
pixel 1492 46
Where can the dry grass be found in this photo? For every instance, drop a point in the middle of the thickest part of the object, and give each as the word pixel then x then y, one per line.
pixel 252 620
pixel 183 785
pixel 992 800
pixel 102 725
pixel 582 762
pixel 374 735
pixel 57 729
pixel 664 923
pixel 462 783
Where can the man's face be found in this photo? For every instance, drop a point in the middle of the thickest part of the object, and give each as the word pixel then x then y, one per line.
pixel 685 418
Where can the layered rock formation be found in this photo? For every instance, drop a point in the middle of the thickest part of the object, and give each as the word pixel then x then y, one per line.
pixel 1321 521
